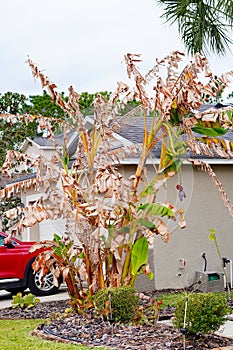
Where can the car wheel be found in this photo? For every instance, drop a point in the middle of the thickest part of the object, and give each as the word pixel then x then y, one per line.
pixel 41 286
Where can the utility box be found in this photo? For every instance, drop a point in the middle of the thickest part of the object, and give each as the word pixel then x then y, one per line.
pixel 209 281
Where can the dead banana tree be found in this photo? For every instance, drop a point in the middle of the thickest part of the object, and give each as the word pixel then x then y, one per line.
pixel 111 220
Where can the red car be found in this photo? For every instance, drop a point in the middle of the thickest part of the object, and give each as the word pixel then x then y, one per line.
pixel 16 273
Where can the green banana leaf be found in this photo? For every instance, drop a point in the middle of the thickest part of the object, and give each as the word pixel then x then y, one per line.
pixel 213 132
pixel 156 209
pixel 139 255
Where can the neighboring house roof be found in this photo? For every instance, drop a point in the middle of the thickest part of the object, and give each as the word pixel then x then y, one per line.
pixel 216 106
pixel 6 181
pixel 46 143
pixel 131 132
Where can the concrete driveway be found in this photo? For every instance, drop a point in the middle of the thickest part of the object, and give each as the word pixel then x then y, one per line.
pixel 6 298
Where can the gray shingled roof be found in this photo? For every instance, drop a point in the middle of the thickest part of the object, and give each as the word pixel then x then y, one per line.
pixel 132 130
pixel 5 180
pixel 46 142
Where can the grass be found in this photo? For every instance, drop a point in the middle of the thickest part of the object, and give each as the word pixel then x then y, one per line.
pixel 15 335
pixel 169 299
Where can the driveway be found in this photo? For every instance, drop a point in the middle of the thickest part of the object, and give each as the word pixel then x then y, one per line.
pixel 6 298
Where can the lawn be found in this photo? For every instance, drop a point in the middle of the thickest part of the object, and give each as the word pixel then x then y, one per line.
pixel 15 335
pixel 169 299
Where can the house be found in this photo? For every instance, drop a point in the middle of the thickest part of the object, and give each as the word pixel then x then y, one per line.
pixel 188 250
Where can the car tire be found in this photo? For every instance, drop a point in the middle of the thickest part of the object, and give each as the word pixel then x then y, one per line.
pixel 41 287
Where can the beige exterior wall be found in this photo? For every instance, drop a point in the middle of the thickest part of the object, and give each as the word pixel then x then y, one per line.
pixel 203 210
pixel 45 229
pixel 34 151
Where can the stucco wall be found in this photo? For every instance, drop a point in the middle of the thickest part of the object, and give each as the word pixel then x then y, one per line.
pixel 45 229
pixel 34 151
pixel 204 210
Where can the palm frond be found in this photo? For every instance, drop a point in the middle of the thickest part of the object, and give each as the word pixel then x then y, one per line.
pixel 203 25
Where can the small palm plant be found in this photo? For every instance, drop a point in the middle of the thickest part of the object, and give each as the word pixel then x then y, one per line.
pixel 111 220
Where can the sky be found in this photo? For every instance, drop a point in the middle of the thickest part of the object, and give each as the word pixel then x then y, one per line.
pixel 83 42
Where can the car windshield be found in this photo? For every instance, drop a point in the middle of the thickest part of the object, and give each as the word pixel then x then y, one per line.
pixel 2 241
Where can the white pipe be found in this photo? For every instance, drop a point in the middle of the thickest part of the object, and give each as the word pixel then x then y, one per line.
pixel 230 273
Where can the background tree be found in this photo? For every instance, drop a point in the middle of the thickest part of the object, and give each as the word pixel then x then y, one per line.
pixel 11 137
pixel 204 25
pixel 86 101
pixel 43 105
pixel 13 134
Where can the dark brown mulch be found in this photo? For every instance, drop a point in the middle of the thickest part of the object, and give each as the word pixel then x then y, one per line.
pixel 93 331
pixel 41 310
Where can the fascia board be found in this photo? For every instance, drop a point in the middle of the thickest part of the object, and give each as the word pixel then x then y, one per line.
pixel 122 139
pixel 37 145
pixel 135 161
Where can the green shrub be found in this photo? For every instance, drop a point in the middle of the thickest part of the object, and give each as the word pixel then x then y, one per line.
pixel 121 303
pixel 27 301
pixel 205 312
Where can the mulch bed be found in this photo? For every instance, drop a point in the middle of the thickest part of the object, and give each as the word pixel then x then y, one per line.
pixel 92 331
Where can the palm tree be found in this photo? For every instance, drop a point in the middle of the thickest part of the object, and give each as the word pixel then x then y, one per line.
pixel 204 25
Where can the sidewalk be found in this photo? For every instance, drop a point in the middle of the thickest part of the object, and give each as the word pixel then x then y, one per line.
pixel 225 331
pixel 6 298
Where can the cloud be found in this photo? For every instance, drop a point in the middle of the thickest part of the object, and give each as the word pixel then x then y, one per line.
pixel 80 43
